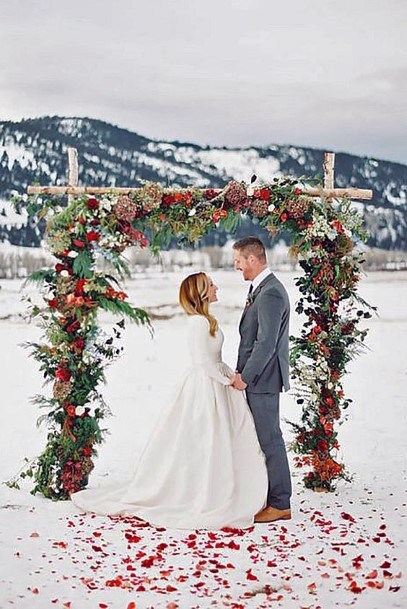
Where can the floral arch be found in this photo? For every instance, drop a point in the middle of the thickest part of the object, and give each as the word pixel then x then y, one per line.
pixel 100 222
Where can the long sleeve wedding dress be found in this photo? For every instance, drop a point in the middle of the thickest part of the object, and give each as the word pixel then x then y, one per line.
pixel 202 466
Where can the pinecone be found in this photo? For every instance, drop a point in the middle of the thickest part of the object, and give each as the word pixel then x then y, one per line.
pixel 151 196
pixel 259 208
pixel 125 209
pixel 235 194
pixel 61 390
pixel 297 208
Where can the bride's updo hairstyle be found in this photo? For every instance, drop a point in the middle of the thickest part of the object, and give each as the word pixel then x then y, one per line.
pixel 193 298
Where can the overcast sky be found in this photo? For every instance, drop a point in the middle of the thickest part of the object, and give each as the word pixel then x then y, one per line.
pixel 319 73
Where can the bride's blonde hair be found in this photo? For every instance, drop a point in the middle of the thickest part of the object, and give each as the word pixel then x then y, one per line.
pixel 193 298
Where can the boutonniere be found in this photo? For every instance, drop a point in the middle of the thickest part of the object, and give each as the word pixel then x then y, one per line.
pixel 249 300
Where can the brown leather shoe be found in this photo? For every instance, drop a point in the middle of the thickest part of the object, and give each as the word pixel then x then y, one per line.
pixel 270 514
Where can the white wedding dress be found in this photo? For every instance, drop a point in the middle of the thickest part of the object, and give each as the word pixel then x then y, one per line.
pixel 203 466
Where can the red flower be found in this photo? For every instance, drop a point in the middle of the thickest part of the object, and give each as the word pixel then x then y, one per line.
pixel 265 194
pixel 322 446
pixel 95 222
pixel 338 226
pixel 220 213
pixel 188 198
pixel 168 199
pixel 284 217
pixel 71 410
pixel 210 193
pixel 87 451
pixel 92 235
pixel 297 191
pixel 79 243
pixel 329 401
pixel 81 221
pixel 80 284
pixel 75 325
pixel 79 343
pixel 63 374
pixel 92 203
pixel 53 303
pixel 61 267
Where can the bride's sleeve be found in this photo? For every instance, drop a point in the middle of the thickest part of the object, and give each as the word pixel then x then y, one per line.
pixel 199 347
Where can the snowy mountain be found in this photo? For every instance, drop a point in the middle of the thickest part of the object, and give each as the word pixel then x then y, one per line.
pixel 34 150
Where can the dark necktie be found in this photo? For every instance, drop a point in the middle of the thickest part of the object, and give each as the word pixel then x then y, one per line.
pixel 249 296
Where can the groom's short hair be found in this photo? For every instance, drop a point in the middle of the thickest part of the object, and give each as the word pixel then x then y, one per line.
pixel 251 246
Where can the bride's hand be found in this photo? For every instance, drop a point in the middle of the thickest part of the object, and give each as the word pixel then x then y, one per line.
pixel 238 383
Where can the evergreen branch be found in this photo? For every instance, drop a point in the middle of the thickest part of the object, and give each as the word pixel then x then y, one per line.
pixel 119 307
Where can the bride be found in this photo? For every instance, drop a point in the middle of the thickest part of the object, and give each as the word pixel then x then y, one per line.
pixel 203 466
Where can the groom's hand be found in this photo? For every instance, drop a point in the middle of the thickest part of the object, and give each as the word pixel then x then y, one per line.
pixel 238 382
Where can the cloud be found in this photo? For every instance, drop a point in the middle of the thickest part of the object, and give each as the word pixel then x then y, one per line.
pixel 241 73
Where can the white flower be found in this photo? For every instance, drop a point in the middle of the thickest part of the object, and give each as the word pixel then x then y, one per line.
pixel 24 197
pixel 271 207
pixel 79 411
pixel 106 204
pixel 72 254
pixel 192 212
pixel 64 274
pixel 250 190
pixel 39 201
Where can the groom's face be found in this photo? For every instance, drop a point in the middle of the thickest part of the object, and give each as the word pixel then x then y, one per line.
pixel 244 264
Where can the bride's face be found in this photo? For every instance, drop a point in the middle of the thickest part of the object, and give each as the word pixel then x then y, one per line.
pixel 212 291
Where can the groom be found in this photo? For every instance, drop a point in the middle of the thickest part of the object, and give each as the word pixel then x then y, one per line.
pixel 262 367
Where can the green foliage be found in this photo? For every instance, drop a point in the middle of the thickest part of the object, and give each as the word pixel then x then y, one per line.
pixel 41 276
pixel 119 307
pixel 82 264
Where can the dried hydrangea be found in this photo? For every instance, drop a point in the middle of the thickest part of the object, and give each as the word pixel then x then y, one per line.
pixel 64 285
pixel 297 208
pixel 125 209
pixel 61 390
pixel 151 196
pixel 235 194
pixel 259 208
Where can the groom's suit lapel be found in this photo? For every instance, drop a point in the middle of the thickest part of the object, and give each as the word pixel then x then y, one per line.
pixel 255 294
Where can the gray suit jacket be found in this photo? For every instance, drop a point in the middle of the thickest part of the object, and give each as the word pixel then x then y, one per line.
pixel 263 349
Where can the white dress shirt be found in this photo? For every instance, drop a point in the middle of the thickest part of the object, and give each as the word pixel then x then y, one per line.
pixel 259 278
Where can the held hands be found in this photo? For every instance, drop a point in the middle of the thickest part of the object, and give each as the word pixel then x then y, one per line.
pixel 237 382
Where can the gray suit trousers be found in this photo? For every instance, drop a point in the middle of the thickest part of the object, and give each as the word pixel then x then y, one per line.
pixel 265 408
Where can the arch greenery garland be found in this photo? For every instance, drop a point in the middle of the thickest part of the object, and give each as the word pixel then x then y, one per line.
pixel 74 351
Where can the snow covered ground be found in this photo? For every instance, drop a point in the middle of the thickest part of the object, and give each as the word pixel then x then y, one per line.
pixel 342 549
